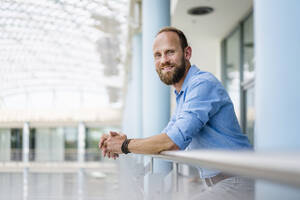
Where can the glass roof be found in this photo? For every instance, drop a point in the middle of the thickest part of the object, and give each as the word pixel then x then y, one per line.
pixel 58 54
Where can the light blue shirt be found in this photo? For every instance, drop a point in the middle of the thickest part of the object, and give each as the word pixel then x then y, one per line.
pixel 204 117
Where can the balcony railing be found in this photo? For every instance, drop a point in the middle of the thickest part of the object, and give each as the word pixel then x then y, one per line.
pixel 142 173
pixel 278 167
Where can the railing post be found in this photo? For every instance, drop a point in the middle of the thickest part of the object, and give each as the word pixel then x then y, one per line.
pixel 175 176
pixel 151 165
pixel 25 183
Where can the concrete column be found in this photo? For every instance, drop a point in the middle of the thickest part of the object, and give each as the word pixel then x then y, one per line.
pixel 81 142
pixel 156 95
pixel 127 114
pixel 132 118
pixel 277 39
pixel 137 85
pixel 131 166
pixel 25 148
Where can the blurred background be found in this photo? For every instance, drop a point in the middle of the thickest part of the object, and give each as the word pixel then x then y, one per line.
pixel 61 87
pixel 71 70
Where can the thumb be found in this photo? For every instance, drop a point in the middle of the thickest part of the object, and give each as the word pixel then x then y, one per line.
pixel 112 133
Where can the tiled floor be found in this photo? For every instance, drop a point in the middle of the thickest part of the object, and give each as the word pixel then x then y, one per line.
pixel 80 185
pixel 99 181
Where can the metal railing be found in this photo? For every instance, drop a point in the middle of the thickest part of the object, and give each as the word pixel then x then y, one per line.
pixel 278 167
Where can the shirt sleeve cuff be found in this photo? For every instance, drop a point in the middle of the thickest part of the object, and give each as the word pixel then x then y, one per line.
pixel 177 137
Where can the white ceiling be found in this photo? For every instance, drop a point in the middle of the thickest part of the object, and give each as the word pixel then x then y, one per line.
pixel 216 25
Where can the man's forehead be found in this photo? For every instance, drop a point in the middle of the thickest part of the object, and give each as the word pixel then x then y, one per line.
pixel 168 37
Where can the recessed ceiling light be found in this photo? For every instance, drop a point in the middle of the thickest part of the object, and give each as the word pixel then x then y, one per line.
pixel 201 10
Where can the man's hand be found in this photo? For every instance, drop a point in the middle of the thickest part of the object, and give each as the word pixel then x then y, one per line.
pixel 102 140
pixel 103 147
pixel 114 142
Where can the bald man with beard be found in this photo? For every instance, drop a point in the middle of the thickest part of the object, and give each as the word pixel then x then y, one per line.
pixel 204 117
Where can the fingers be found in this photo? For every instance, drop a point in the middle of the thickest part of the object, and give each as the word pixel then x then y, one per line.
pixel 123 135
pixel 102 140
pixel 105 153
pixel 110 154
pixel 115 156
pixel 104 144
pixel 105 149
pixel 104 137
pixel 113 133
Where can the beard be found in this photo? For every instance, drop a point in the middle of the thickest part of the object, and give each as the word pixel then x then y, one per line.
pixel 173 76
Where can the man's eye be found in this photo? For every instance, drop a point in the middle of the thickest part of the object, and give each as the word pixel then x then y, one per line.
pixel 170 52
pixel 156 56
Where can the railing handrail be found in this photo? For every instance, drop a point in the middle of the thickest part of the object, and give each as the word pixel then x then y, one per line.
pixel 274 166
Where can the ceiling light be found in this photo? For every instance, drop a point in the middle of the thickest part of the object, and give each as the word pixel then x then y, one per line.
pixel 201 10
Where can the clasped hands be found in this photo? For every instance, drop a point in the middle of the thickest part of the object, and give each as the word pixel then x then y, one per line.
pixel 111 144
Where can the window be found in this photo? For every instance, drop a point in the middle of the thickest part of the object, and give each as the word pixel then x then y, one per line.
pixel 248 78
pixel 16 144
pixel 239 73
pixel 92 139
pixel 71 140
pixel 232 69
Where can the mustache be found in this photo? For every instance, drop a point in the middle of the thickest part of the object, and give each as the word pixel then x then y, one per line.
pixel 166 65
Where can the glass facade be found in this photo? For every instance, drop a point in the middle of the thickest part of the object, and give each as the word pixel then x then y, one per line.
pixel 92 139
pixel 49 145
pixel 248 70
pixel 71 143
pixel 239 73
pixel 248 49
pixel 5 144
pixel 16 144
pixel 32 136
pixel 55 144
pixel 250 114
pixel 232 68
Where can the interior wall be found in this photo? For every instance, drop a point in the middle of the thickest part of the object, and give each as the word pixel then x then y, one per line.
pixel 206 55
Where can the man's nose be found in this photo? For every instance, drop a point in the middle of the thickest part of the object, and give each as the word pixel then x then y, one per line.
pixel 165 60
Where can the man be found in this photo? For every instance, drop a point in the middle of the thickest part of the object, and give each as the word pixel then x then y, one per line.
pixel 204 117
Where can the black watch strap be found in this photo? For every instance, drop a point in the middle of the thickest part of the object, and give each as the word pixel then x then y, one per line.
pixel 124 146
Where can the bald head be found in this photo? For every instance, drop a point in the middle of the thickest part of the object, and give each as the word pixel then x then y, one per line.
pixel 179 33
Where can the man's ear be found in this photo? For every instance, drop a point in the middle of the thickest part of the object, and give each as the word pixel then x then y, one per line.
pixel 188 53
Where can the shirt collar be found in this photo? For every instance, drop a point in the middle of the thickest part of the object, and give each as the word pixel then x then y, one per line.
pixel 193 69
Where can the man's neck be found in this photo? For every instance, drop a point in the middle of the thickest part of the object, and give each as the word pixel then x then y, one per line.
pixel 179 84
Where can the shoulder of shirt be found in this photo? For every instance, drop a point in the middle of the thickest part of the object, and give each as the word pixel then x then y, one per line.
pixel 200 76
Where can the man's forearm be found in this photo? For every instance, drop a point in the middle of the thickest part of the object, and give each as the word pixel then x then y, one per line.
pixel 152 145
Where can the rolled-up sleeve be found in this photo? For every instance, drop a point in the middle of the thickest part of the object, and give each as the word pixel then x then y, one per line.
pixel 170 124
pixel 202 100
